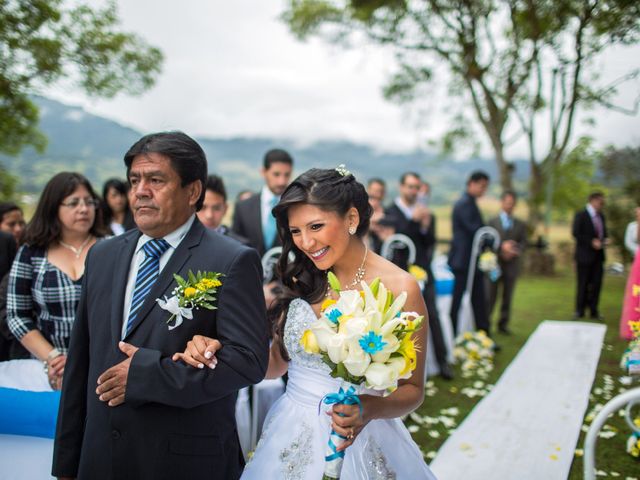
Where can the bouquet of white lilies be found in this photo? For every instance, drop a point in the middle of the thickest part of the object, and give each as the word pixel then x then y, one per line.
pixel 366 339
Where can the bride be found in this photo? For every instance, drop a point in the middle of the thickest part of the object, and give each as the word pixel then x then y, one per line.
pixel 322 217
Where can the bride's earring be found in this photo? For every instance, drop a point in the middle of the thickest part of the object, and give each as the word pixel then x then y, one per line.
pixel 352 230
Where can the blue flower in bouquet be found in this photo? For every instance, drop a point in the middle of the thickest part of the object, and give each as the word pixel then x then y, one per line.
pixel 333 315
pixel 372 343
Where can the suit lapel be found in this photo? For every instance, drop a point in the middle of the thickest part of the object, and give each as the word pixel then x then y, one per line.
pixel 175 265
pixel 119 281
pixel 256 221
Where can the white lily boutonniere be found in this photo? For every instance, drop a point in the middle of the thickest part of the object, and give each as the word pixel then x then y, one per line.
pixel 196 292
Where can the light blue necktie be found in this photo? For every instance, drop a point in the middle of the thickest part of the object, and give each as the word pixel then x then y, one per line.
pixel 507 223
pixel 269 229
pixel 147 276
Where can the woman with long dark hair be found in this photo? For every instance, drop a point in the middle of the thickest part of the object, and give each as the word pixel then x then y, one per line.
pixel 116 213
pixel 322 218
pixel 45 279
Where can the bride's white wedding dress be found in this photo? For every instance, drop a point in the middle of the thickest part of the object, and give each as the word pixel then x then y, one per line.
pixel 295 436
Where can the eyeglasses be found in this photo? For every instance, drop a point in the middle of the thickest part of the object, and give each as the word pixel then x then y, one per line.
pixel 75 203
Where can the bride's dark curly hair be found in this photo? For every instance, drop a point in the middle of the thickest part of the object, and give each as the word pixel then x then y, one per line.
pixel 330 191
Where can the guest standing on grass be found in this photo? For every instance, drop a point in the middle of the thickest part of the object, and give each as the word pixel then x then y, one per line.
pixel 513 241
pixel 466 221
pixel 590 231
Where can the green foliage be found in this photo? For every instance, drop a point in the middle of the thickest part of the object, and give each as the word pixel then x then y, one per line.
pixel 621 173
pixel 7 185
pixel 42 42
pixel 574 178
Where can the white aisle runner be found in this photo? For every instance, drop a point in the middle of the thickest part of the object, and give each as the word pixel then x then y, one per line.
pixel 527 427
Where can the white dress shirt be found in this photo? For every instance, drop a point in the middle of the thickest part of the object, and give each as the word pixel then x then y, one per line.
pixel 408 210
pixel 173 239
pixel 631 237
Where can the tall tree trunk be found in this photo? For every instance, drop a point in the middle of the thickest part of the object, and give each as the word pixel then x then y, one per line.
pixel 536 196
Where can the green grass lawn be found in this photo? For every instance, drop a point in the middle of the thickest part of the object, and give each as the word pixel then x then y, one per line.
pixel 537 299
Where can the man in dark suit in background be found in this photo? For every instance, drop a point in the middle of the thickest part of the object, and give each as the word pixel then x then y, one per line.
pixel 215 207
pixel 8 248
pixel 379 227
pixel 127 409
pixel 590 231
pixel 416 221
pixel 252 218
pixel 513 241
pixel 466 221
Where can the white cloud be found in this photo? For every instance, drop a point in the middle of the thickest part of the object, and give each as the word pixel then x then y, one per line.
pixel 233 69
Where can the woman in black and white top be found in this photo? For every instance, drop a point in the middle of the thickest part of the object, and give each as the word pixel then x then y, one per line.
pixel 46 276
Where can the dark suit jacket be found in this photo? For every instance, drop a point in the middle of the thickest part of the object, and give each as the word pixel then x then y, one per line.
pixel 177 422
pixel 584 232
pixel 424 242
pixel 517 233
pixel 224 230
pixel 8 249
pixel 247 222
pixel 466 221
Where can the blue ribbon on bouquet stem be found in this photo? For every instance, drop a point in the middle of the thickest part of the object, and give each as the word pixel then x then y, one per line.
pixel 342 397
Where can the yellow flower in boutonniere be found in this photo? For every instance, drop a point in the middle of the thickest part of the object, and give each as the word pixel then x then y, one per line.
pixel 195 292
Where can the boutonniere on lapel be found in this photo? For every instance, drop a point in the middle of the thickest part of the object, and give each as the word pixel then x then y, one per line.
pixel 196 292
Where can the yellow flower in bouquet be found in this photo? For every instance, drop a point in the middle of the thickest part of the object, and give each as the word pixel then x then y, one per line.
pixel 309 342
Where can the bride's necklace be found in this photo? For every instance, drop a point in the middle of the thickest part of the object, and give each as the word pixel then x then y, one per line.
pixel 358 277
pixel 76 251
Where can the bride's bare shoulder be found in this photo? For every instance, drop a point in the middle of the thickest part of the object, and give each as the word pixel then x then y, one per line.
pixel 395 278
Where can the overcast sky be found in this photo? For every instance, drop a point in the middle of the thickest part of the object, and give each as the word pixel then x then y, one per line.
pixel 233 69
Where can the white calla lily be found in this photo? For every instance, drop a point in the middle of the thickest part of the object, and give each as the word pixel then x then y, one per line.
pixel 398 364
pixel 381 376
pixel 391 345
pixel 323 330
pixel 356 327
pixel 391 325
pixel 357 360
pixel 350 302
pixel 395 307
pixel 337 348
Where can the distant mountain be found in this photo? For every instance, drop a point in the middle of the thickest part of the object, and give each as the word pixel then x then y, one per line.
pixel 95 146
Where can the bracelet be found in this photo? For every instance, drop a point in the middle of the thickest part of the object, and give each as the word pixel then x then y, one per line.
pixel 53 354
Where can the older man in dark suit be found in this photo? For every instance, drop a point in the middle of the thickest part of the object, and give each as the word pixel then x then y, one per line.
pixel 590 231
pixel 513 241
pixel 128 411
pixel 466 221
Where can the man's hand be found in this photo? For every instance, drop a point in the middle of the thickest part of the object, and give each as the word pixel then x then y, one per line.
pixel 422 215
pixel 509 250
pixel 112 384
pixel 596 243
